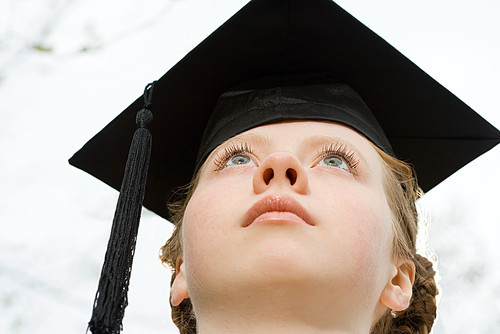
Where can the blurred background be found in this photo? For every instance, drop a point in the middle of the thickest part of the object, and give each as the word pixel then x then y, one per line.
pixel 68 67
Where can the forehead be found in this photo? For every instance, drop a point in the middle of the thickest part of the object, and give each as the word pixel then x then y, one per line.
pixel 297 132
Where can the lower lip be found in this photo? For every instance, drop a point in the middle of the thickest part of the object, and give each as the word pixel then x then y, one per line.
pixel 278 217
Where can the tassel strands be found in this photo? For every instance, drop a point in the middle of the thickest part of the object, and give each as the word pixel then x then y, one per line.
pixel 111 297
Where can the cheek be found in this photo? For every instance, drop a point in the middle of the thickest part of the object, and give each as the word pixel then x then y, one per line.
pixel 371 233
pixel 200 227
pixel 359 222
pixel 209 220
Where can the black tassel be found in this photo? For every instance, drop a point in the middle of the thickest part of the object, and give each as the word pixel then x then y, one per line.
pixel 111 297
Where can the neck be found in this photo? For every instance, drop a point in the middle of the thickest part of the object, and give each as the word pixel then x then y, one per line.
pixel 272 328
pixel 282 310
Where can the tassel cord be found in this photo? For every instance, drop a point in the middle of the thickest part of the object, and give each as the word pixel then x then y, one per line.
pixel 111 296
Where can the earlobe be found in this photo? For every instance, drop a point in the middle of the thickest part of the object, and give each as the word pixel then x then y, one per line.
pixel 398 290
pixel 179 290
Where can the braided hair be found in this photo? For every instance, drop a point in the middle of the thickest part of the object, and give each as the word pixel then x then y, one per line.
pixel 402 191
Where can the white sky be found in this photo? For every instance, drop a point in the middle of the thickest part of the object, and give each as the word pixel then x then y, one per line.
pixel 55 219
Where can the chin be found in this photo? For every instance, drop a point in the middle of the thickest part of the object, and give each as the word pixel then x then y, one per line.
pixel 277 260
pixel 280 257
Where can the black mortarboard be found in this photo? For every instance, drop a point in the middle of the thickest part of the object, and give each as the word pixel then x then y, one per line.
pixel 422 120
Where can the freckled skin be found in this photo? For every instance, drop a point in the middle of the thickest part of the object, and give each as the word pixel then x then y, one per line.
pixel 338 267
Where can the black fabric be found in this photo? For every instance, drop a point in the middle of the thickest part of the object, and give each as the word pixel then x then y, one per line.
pixel 243 109
pixel 111 296
pixel 276 37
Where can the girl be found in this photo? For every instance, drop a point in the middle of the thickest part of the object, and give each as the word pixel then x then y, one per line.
pixel 299 227
pixel 299 218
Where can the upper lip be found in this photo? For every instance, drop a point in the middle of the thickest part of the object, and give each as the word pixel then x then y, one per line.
pixel 281 203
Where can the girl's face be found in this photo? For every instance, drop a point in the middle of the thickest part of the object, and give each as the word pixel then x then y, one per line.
pixel 298 204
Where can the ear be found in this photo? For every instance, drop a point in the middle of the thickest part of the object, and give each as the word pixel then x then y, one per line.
pixel 179 290
pixel 398 291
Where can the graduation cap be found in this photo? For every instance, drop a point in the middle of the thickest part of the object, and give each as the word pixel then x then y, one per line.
pixel 411 116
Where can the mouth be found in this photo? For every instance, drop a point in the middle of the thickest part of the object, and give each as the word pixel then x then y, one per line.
pixel 277 209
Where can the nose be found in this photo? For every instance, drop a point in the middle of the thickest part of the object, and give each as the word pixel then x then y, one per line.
pixel 280 169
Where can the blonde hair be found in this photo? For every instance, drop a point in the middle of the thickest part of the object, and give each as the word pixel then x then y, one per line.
pixel 402 191
pixel 183 314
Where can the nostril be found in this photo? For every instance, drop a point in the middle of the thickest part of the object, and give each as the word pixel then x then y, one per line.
pixel 268 175
pixel 291 174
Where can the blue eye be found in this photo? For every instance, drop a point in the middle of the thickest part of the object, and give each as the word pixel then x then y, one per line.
pixel 234 154
pixel 240 159
pixel 334 161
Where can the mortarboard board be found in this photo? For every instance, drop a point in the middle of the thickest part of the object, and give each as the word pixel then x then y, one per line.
pixel 421 119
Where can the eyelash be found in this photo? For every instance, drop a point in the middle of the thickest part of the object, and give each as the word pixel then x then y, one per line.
pixel 342 152
pixel 232 150
pixel 338 150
